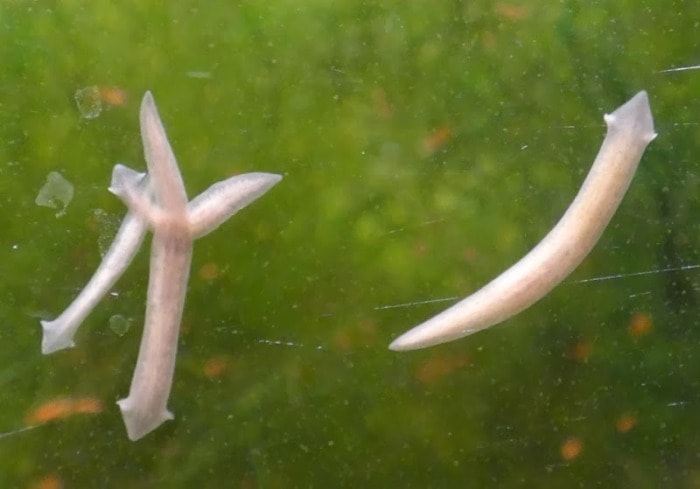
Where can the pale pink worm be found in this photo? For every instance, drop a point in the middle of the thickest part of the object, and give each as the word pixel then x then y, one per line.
pixel 58 333
pixel 161 203
pixel 630 130
pixel 176 224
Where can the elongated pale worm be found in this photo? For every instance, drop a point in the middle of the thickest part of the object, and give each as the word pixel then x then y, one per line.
pixel 158 201
pixel 58 333
pixel 175 224
pixel 630 130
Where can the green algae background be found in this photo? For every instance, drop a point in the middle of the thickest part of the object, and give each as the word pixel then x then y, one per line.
pixel 425 147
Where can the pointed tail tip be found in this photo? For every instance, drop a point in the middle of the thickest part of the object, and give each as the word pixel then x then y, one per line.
pixel 272 179
pixel 408 342
pixel 147 97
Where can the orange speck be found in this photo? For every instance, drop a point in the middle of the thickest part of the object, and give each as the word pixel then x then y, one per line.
pixel 348 338
pixel 62 407
pixel 571 448
pixel 488 39
pixel 470 254
pixel 51 481
pixel 381 104
pixel 209 271
pixel 87 405
pixel 581 351
pixel 248 482
pixel 436 139
pixel 367 332
pixel 512 12
pixel 215 367
pixel 49 411
pixel 439 366
pixel 626 422
pixel 640 325
pixel 343 340
pixel 420 248
pixel 116 97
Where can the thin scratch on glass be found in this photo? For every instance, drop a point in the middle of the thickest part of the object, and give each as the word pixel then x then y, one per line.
pixel 637 274
pixel 681 68
pixel 415 303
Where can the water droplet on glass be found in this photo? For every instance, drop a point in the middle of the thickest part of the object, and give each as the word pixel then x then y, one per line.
pixel 119 324
pixel 89 102
pixel 56 193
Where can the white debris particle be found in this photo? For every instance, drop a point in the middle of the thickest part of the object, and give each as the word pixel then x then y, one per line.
pixel 119 324
pixel 89 102
pixel 199 74
pixel 56 193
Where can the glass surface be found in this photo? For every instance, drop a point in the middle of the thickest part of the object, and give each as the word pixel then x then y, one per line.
pixel 425 147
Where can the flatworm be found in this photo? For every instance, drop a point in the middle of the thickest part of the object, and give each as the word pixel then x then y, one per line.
pixel 630 130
